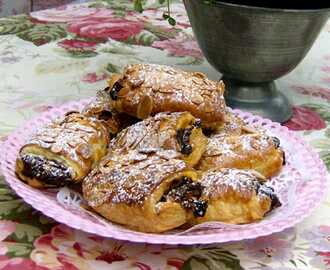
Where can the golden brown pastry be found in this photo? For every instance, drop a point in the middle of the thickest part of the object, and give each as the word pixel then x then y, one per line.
pixel 145 89
pixel 144 191
pixel 235 196
pixel 179 131
pixel 100 108
pixel 63 152
pixel 255 151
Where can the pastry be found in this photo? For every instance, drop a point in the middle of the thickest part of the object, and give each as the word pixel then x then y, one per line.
pixel 235 196
pixel 179 131
pixel 100 108
pixel 255 151
pixel 145 89
pixel 146 192
pixel 63 152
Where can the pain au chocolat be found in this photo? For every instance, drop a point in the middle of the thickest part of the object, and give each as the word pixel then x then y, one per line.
pixel 144 191
pixel 63 152
pixel 237 145
pixel 180 132
pixel 235 196
pixel 99 108
pixel 146 89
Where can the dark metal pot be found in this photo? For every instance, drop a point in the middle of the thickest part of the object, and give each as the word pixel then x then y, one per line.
pixel 253 46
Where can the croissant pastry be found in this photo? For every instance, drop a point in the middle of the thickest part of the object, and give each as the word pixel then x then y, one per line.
pixel 235 196
pixel 179 131
pixel 255 151
pixel 63 152
pixel 145 89
pixel 146 192
pixel 99 108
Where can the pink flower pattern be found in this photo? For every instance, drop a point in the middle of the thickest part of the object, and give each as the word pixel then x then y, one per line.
pixel 66 248
pixel 180 46
pixel 305 119
pixel 104 28
pixel 275 247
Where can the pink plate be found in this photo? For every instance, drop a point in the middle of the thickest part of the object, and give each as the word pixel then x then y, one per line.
pixel 300 186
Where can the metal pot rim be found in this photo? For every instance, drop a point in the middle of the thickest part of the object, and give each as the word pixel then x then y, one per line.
pixel 265 9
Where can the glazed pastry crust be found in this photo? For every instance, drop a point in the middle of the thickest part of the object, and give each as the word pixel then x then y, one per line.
pixel 235 196
pixel 162 132
pixel 76 143
pixel 127 189
pixel 146 89
pixel 247 151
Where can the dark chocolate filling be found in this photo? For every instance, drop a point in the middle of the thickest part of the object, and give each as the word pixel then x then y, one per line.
pixel 50 172
pixel 269 192
pixel 183 136
pixel 187 193
pixel 284 158
pixel 115 89
pixel 276 142
pixel 105 115
pixel 198 123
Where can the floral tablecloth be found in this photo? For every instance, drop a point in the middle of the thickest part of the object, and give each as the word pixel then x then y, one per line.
pixel 63 54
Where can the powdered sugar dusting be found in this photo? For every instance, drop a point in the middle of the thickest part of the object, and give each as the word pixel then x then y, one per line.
pixel 217 183
pixel 128 178
pixel 172 90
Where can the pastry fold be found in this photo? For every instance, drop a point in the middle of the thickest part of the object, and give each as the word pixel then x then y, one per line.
pixel 146 89
pixel 100 109
pixel 63 152
pixel 179 132
pixel 255 151
pixel 235 196
pixel 146 192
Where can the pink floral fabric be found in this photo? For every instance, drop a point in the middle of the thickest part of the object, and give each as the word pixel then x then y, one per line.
pixel 65 53
pixel 305 119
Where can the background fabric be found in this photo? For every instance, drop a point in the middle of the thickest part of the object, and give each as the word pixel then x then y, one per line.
pixel 54 56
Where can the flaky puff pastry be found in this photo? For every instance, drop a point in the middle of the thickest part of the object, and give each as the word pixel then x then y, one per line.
pixel 130 189
pixel 235 196
pixel 99 108
pixel 253 150
pixel 179 131
pixel 63 152
pixel 146 89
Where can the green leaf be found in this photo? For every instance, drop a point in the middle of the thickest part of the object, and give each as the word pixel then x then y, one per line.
pixel 327 133
pixel 14 25
pixel 145 38
pixel 112 68
pixel 41 33
pixel 171 21
pixel 138 5
pixel 325 156
pixel 161 2
pixel 322 109
pixel 26 233
pixel 212 258
pixel 12 207
pixel 19 249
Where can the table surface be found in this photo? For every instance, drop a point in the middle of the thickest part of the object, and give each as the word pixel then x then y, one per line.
pixel 55 56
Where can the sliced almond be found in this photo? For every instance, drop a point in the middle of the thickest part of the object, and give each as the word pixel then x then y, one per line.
pixel 199 75
pixel 166 90
pixel 249 129
pixel 145 107
pixel 84 150
pixel 197 99
pixel 56 148
pixel 259 176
